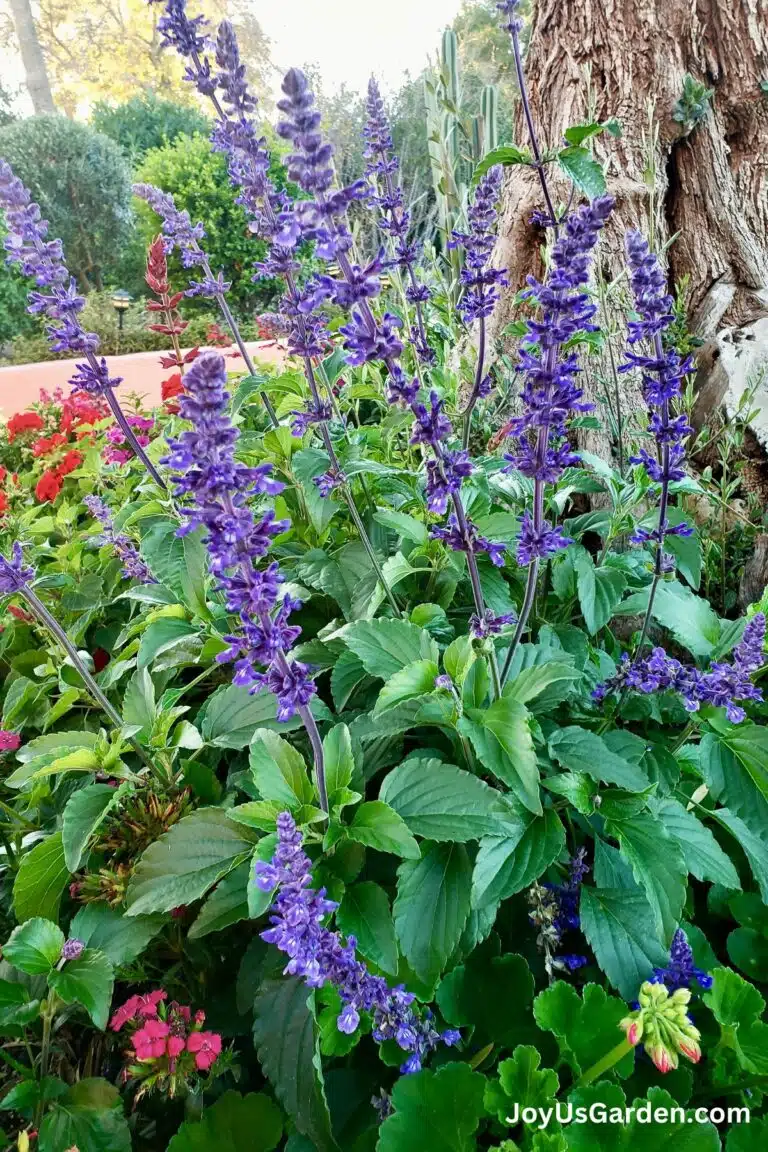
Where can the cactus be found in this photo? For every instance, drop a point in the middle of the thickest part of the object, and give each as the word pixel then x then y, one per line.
pixel 489 109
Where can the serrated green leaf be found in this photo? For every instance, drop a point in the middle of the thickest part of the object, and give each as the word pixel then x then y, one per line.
pixel 506 865
pixel 441 802
pixel 226 905
pixel 658 866
pixel 502 739
pixel 40 880
pixel 121 938
pixel 619 925
pixel 279 771
pixel 378 826
pixel 364 913
pixel 83 813
pixel 385 646
pixel 581 167
pixel 186 861
pixel 446 1105
pixel 34 946
pixel 585 1025
pixel 88 980
pixel 704 857
pixel 432 907
pixel 521 1082
pixel 415 679
pixel 583 751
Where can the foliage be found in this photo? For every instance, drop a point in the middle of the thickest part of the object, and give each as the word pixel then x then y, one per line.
pixel 145 122
pixel 197 178
pixel 78 36
pixel 693 104
pixel 82 183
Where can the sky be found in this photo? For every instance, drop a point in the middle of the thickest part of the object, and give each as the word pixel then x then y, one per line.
pixel 350 39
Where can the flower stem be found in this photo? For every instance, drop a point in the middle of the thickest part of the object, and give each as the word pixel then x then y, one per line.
pixel 128 432
pixel 538 163
pixel 522 620
pixel 476 389
pixel 45 618
pixel 605 1063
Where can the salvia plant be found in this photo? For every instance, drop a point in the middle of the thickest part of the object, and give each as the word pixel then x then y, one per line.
pixel 376 775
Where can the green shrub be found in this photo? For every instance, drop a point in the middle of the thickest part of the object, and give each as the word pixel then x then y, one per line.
pixel 197 178
pixel 83 186
pixel 145 122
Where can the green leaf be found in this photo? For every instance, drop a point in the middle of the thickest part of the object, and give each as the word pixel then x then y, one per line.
pixel 348 673
pixel 339 763
pixel 35 946
pixel 186 861
pixel 235 1123
pixel 286 1042
pixel 307 464
pixel 581 167
pixel 83 813
pixel 88 980
pixel 599 590
pixel 733 1001
pixel 385 646
pixel 755 846
pixel 689 618
pixel 178 562
pixel 82 760
pixel 162 636
pixel 506 154
pixel 578 133
pixel 55 742
pixel 506 865
pixel 476 995
pixel 658 865
pixel 441 802
pixel 521 1082
pixel 378 826
pixel 687 1134
pixel 583 751
pixel 586 1026
pixel 444 1107
pixel 230 716
pixel 703 856
pixel 139 703
pixel 121 938
pixel 279 771
pixel 227 904
pixel 458 658
pixel 414 680
pixel 407 526
pixel 40 880
pixel 432 906
pixel 503 742
pixel 619 925
pixel 534 681
pixel 365 914
pixel 68 1126
pixel 749 744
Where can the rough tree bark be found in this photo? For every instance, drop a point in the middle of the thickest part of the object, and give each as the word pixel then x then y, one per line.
pixel 32 58
pixel 711 188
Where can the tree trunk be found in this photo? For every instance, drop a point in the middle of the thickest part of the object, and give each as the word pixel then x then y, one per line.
pixel 628 59
pixel 32 57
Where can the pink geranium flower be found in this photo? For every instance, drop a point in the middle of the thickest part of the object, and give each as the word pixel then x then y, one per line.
pixel 149 1043
pixel 206 1047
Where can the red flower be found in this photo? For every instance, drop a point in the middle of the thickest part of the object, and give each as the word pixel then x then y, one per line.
pixel 48 486
pixel 3 473
pixel 71 461
pixel 143 1007
pixel 100 659
pixel 9 741
pixel 4 505
pixel 172 386
pixel 206 1047
pixel 47 444
pixel 23 422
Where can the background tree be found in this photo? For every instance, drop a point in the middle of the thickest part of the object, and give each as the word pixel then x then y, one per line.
pixel 32 56
pixel 110 50
pixel 83 186
pixel 690 164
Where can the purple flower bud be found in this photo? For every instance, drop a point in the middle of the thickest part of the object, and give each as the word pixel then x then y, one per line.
pixel 72 949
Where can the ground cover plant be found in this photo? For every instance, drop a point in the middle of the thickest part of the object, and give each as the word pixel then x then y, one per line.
pixel 375 772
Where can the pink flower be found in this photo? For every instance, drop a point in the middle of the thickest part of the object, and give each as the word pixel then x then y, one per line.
pixel 207 1048
pixel 143 1007
pixel 149 1043
pixel 9 741
pixel 175 1047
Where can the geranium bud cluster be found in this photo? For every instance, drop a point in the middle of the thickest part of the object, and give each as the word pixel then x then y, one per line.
pixel 661 1022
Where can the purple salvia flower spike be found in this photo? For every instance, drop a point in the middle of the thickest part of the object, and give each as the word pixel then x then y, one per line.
pixel 134 567
pixel 216 490
pixel 550 394
pixel 321 956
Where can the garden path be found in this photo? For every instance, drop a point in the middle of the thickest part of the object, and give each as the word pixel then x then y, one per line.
pixel 20 384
